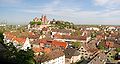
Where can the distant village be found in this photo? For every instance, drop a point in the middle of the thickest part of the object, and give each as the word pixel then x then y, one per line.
pixel 62 42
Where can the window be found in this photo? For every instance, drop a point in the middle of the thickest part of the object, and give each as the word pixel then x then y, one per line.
pixel 110 53
pixel 90 55
pixel 111 56
pixel 82 53
pixel 91 63
pixel 98 57
pixel 102 60
pixel 67 60
pixel 68 53
pixel 95 59
pixel 85 56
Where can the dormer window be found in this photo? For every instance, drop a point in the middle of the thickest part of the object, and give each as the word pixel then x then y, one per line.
pixel 68 54
pixel 91 62
pixel 102 60
pixel 82 53
pixel 98 57
pixel 110 53
pixel 95 59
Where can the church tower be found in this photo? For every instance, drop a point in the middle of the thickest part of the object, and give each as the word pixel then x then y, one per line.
pixel 44 19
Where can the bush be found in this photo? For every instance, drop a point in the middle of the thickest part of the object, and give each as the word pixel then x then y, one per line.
pixel 118 49
pixel 76 44
pixel 101 47
pixel 38 23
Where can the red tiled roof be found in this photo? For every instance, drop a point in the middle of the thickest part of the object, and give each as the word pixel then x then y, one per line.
pixel 14 38
pixel 49 56
pixel 20 40
pixel 99 36
pixel 41 49
pixel 42 41
pixel 74 37
pixel 58 43
pixel 35 49
pixel 47 50
pixel 109 44
pixel 57 36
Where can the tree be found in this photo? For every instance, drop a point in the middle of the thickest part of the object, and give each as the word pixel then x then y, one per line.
pixel 38 23
pixel 76 44
pixel 100 46
pixel 1 37
pixel 118 49
pixel 15 56
pixel 93 35
pixel 32 22
pixel 25 56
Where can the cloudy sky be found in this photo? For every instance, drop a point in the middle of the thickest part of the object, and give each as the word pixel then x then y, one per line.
pixel 77 11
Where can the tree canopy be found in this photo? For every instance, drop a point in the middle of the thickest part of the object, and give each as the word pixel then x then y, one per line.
pixel 63 24
pixel 76 44
pixel 15 56
pixel 118 49
pixel 1 37
pixel 100 46
pixel 38 23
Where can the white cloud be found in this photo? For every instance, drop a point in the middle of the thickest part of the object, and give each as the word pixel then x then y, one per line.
pixel 110 14
pixel 74 12
pixel 101 2
pixel 106 2
pixel 104 16
pixel 110 4
pixel 53 8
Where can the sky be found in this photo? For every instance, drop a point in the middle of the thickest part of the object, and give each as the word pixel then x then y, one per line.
pixel 76 11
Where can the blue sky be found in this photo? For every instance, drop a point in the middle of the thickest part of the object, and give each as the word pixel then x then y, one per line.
pixel 76 11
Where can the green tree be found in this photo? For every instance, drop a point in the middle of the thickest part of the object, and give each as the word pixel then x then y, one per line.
pixel 32 22
pixel 118 49
pixel 38 23
pixel 1 37
pixel 100 46
pixel 15 56
pixel 93 35
pixel 76 44
pixel 25 56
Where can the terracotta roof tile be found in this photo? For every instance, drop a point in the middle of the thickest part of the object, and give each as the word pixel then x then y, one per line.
pixel 35 49
pixel 58 43
pixel 47 50
pixel 57 36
